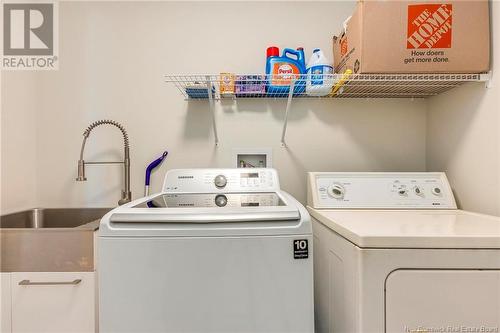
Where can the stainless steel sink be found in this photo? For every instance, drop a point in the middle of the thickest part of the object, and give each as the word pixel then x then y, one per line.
pixel 49 240
pixel 52 218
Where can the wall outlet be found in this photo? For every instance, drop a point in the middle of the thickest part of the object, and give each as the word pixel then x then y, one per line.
pixel 252 157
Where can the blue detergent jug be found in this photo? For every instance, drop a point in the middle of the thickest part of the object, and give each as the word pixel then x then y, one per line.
pixel 281 70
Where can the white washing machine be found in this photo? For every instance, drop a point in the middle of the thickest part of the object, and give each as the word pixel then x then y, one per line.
pixel 219 250
pixel 393 254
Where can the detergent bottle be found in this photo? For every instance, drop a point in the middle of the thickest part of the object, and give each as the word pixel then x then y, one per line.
pixel 282 70
pixel 319 79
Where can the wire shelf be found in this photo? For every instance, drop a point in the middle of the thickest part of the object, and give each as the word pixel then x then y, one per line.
pixel 211 87
pixel 343 86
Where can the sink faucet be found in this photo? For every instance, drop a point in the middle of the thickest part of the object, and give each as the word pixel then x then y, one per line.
pixel 126 194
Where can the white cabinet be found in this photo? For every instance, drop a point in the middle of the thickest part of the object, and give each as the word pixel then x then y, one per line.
pixel 5 303
pixel 48 302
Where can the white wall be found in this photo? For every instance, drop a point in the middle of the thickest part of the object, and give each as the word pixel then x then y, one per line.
pixel 463 137
pixel 112 59
pixel 18 131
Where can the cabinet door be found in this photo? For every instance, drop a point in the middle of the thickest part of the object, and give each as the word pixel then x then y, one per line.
pixel 5 303
pixel 53 302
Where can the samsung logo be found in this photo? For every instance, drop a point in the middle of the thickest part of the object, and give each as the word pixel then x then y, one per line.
pixel 185 177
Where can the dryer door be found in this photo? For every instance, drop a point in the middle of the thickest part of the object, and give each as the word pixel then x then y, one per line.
pixel 443 301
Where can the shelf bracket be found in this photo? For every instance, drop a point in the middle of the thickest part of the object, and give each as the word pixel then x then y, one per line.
pixel 211 104
pixel 488 78
pixel 287 110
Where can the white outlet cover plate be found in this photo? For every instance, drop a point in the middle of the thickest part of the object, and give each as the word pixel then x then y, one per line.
pixel 253 151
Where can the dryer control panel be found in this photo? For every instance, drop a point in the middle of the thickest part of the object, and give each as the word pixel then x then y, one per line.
pixel 221 180
pixel 379 190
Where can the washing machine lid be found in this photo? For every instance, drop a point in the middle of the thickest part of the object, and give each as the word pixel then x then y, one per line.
pixel 431 229
pixel 211 203
pixel 195 215
pixel 214 200
pixel 209 208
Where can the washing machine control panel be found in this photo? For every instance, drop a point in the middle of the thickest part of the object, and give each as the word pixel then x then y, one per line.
pixel 197 200
pixel 221 180
pixel 425 190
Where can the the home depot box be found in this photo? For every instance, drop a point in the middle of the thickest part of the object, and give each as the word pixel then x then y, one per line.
pixel 415 37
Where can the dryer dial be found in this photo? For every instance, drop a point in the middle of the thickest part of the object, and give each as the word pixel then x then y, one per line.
pixel 437 191
pixel 418 191
pixel 402 191
pixel 336 191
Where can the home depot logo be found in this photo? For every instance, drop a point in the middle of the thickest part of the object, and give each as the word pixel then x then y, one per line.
pixel 429 26
pixel 29 36
pixel 343 47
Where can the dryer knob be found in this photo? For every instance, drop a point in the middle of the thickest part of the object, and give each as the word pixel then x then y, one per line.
pixel 336 191
pixel 437 191
pixel 220 181
pixel 418 191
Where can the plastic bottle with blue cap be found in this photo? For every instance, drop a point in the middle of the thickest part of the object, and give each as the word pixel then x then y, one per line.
pixel 319 78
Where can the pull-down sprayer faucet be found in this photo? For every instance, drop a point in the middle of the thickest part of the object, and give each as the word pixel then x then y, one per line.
pixel 126 194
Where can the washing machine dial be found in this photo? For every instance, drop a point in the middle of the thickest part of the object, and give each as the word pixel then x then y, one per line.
pixel 220 181
pixel 221 200
pixel 336 191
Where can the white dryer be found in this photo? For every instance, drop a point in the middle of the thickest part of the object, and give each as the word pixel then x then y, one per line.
pixel 394 254
pixel 219 250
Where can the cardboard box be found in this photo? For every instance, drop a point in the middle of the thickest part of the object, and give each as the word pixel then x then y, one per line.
pixel 427 36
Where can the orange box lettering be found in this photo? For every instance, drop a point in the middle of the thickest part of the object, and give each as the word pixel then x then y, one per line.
pixel 429 26
pixel 343 47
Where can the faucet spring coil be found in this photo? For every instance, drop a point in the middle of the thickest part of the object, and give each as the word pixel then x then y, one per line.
pixel 126 193
pixel 93 125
